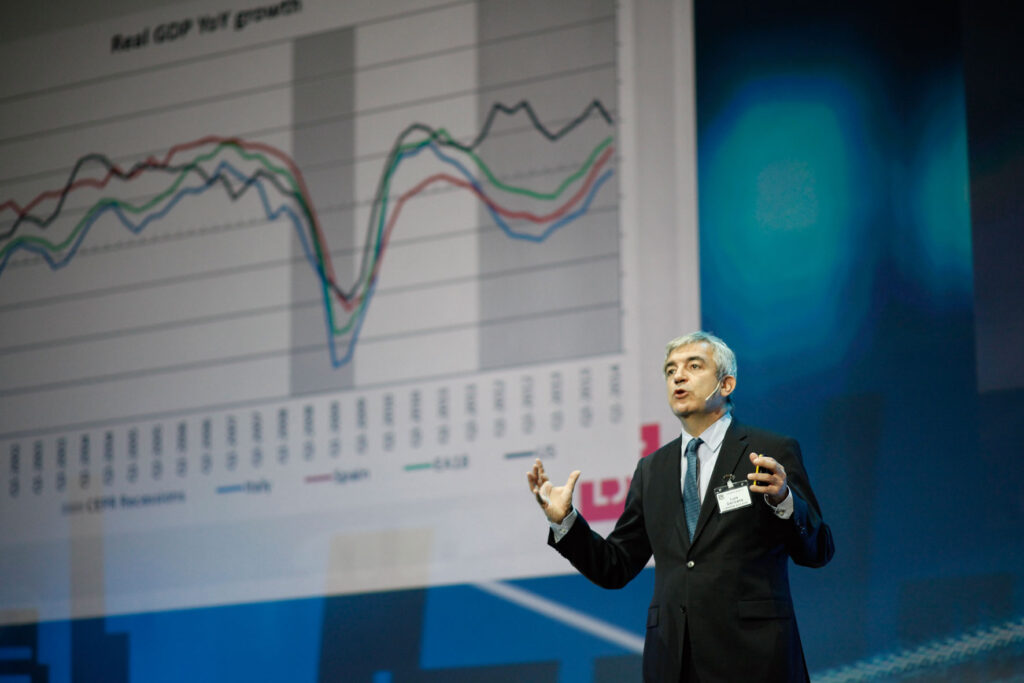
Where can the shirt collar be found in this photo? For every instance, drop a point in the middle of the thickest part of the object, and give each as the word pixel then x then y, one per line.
pixel 713 435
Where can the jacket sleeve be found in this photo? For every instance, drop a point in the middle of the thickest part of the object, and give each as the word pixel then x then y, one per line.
pixel 809 540
pixel 610 562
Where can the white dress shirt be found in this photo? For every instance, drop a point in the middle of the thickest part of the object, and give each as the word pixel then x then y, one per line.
pixel 707 453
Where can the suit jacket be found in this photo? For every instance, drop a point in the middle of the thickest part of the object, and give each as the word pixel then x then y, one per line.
pixel 729 589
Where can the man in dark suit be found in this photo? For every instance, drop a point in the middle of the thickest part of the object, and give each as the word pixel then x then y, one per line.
pixel 722 508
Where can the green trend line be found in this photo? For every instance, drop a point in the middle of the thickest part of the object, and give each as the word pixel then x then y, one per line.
pixel 102 204
pixel 446 139
pixel 440 135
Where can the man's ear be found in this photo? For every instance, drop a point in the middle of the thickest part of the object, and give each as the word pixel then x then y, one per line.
pixel 728 385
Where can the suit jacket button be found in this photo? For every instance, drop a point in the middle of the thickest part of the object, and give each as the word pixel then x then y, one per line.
pixel 689 565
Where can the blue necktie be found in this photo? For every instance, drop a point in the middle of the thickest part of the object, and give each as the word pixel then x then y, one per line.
pixel 691 498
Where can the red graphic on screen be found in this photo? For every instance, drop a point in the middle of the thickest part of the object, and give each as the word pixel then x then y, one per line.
pixel 605 499
pixel 650 435
pixel 609 504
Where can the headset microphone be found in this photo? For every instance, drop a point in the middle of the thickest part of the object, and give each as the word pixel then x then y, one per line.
pixel 713 390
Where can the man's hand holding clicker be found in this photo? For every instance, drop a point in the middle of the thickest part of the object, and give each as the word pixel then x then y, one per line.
pixel 771 480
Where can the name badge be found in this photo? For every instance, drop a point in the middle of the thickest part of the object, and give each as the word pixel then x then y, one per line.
pixel 733 496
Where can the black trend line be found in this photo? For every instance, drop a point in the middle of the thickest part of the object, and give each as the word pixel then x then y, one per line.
pixel 496 108
pixel 433 135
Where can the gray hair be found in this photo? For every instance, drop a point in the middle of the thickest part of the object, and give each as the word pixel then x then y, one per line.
pixel 725 359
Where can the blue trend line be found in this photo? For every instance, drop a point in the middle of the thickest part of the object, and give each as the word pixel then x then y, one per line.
pixel 111 205
pixel 498 218
pixel 274 214
pixel 505 227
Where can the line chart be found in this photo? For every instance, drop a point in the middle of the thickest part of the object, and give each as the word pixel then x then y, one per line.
pixel 445 221
pixel 322 269
pixel 288 181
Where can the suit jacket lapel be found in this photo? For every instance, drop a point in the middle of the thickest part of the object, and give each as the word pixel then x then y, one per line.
pixel 667 466
pixel 673 471
pixel 734 446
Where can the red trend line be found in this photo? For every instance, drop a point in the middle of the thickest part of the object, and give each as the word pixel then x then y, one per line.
pixel 347 304
pixel 525 215
pixel 152 162
pixel 459 182
pixel 115 170
pixel 148 164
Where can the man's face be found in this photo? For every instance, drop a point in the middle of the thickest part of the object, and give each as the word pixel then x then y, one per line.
pixel 691 377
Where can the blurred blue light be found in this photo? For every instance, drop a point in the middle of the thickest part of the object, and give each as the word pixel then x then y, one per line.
pixel 940 234
pixel 784 194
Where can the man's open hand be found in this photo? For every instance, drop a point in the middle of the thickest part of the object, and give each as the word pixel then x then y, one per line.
pixel 556 501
